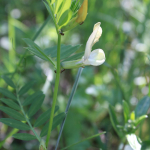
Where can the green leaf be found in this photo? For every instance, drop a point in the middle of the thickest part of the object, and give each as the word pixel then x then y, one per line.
pixel 49 10
pixel 15 124
pixel 7 93
pixel 10 103
pixel 140 119
pixel 142 107
pixel 57 120
pixel 26 87
pixel 75 57
pixel 36 106
pixel 24 136
pixel 133 141
pixel 30 99
pixel 65 6
pixel 44 117
pixel 9 81
pixel 113 119
pixel 58 4
pixel 12 113
pixel 126 111
pixel 36 50
pixel 145 145
pixel 93 136
pixel 66 51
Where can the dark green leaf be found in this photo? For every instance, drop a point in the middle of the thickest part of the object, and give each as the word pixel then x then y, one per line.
pixel 9 81
pixel 44 117
pixel 75 57
pixel 24 136
pixel 35 106
pixel 66 51
pixel 142 107
pixel 145 145
pixel 15 124
pixel 31 98
pixel 26 87
pixel 113 119
pixel 126 111
pixel 57 120
pixel 7 93
pixel 10 103
pixel 12 113
pixel 36 50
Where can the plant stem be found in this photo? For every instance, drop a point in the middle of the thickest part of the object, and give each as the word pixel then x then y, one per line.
pixel 55 90
pixel 69 103
pixel 38 138
pixel 34 38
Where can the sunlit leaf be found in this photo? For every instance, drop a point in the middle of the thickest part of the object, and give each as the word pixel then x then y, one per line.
pixel 10 103
pixel 12 113
pixel 15 124
pixel 44 117
pixel 24 136
pixel 57 120
pixel 126 111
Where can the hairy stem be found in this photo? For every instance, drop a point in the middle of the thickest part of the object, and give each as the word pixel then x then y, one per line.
pixel 27 120
pixel 55 90
pixel 69 103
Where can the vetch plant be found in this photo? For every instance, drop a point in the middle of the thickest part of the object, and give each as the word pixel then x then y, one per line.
pixel 66 14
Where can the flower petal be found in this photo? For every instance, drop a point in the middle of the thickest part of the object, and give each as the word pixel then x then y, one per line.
pixel 94 37
pixel 96 58
pixel 99 32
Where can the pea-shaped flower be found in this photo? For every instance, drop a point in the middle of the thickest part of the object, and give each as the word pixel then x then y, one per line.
pixel 94 58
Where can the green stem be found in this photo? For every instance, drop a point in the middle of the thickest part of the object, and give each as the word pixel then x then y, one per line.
pixel 55 90
pixel 39 139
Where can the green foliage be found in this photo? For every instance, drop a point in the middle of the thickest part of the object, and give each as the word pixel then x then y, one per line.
pixel 57 120
pixel 24 136
pixel 15 124
pixel 9 81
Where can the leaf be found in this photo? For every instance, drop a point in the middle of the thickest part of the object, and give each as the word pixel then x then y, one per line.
pixel 32 98
pixel 49 10
pixel 65 6
pixel 36 50
pixel 44 117
pixel 93 136
pixel 12 113
pixel 113 119
pixel 58 4
pixel 36 106
pixel 142 107
pixel 126 111
pixel 7 93
pixel 66 51
pixel 26 87
pixel 9 81
pixel 132 139
pixel 10 103
pixel 24 136
pixel 57 120
pixel 145 145
pixel 15 124
pixel 140 119
pixel 75 56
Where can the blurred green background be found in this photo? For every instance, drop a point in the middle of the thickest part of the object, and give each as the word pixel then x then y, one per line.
pixel 125 75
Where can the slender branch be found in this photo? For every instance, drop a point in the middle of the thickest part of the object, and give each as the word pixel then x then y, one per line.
pixel 34 38
pixel 38 138
pixel 55 90
pixel 69 103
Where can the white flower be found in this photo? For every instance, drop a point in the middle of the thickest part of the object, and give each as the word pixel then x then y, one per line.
pixel 94 58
